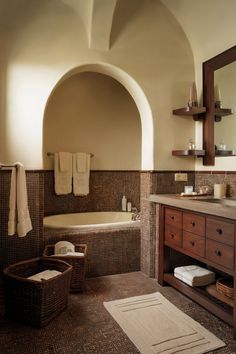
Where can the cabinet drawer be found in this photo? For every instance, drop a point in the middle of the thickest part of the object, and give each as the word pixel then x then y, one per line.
pixel 221 231
pixel 194 223
pixel 220 253
pixel 173 217
pixel 194 243
pixel 173 235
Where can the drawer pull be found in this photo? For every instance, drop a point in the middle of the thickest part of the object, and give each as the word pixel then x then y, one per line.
pixel 192 223
pixel 192 243
pixel 218 253
pixel 172 236
pixel 220 232
pixel 172 217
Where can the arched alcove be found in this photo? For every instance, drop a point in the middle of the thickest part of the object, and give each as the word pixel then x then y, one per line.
pixel 138 96
pixel 93 112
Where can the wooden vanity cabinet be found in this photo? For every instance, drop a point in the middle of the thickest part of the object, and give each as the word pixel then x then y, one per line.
pixel 199 238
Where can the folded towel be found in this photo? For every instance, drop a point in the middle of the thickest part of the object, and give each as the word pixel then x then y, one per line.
pixel 202 282
pixel 63 172
pixel 195 275
pixel 81 173
pixel 77 254
pixel 45 275
pixel 19 218
pixel 63 247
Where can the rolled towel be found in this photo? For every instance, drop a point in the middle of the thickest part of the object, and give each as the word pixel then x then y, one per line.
pixel 63 247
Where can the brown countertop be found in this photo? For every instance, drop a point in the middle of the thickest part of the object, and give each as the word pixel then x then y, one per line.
pixel 195 204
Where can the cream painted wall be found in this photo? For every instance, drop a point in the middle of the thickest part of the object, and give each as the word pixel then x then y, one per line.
pixel 49 39
pixel 94 113
pixel 210 28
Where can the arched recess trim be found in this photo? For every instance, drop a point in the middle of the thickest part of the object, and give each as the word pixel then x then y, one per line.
pixel 138 96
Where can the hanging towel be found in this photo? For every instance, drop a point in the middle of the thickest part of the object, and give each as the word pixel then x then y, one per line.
pixel 81 172
pixel 19 219
pixel 63 172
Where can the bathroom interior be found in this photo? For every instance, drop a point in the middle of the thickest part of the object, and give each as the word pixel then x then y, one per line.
pixel 133 84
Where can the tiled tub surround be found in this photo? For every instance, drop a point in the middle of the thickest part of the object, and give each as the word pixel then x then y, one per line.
pixel 111 250
pixel 106 191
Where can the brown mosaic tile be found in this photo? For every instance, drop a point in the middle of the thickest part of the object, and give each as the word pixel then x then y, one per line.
pixel 86 327
pixel 209 179
pixel 110 251
pixel 106 191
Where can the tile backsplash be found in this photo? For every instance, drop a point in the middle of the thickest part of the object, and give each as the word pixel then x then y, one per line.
pixel 210 178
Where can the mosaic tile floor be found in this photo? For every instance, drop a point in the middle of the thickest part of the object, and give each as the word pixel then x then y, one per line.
pixel 86 327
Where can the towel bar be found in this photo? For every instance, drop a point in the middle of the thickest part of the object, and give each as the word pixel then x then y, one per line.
pixel 52 154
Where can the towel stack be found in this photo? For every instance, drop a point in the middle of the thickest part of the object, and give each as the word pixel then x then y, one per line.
pixel 194 275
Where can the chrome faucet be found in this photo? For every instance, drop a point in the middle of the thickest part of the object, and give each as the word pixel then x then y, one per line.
pixel 135 214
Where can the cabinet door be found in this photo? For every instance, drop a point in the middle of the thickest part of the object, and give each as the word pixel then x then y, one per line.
pixel 194 243
pixel 221 231
pixel 173 235
pixel 219 253
pixel 173 217
pixel 194 223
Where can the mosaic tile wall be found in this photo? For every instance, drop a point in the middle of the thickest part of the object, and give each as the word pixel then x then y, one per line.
pixel 110 251
pixel 14 248
pixel 106 191
pixel 155 183
pixel 210 178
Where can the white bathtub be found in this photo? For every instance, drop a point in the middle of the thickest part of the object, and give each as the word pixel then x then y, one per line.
pixel 89 220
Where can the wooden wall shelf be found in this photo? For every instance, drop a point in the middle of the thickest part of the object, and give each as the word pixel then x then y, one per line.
pixel 195 153
pixel 222 112
pixel 195 112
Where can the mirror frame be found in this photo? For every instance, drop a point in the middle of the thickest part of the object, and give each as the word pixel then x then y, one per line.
pixel 209 68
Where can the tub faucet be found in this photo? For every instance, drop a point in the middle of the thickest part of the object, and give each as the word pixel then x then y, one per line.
pixel 135 214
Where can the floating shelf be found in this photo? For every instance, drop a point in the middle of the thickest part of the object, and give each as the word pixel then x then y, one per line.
pixel 190 111
pixel 224 153
pixel 222 112
pixel 196 153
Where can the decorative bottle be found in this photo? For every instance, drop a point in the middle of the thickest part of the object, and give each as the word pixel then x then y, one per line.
pixel 124 203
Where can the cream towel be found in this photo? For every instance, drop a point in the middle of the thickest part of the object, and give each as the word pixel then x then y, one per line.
pixel 19 219
pixel 81 172
pixel 63 247
pixel 63 172
pixel 45 275
pixel 195 275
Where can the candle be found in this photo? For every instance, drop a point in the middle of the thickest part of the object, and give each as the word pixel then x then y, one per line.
pixel 193 93
pixel 219 190
pixel 217 94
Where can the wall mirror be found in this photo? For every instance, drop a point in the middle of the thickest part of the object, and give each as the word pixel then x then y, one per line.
pixel 219 98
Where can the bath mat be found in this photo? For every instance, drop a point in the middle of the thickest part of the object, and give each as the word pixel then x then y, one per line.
pixel 156 326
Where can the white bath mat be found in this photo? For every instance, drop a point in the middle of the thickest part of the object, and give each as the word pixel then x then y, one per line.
pixel 156 326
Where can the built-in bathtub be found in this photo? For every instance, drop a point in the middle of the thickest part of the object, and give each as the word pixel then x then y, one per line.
pixel 83 221
pixel 113 239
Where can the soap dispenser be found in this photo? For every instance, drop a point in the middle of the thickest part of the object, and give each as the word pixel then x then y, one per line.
pixel 124 203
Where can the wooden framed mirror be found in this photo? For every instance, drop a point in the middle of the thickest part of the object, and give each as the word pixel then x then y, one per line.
pixel 214 113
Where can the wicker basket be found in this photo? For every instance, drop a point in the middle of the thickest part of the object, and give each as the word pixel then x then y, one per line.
pixel 225 286
pixel 78 263
pixel 32 302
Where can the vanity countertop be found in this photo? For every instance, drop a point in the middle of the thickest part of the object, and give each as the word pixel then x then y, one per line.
pixel 195 204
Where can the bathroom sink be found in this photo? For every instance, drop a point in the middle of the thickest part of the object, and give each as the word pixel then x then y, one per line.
pixel 208 200
pixel 223 201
